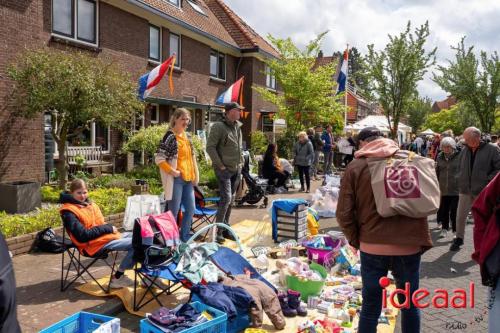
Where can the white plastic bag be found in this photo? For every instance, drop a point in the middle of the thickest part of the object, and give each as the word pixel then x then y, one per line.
pixel 140 205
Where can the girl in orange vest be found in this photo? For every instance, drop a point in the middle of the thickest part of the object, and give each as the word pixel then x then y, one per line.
pixel 85 225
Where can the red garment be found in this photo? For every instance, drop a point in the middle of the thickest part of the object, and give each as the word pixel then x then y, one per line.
pixel 486 230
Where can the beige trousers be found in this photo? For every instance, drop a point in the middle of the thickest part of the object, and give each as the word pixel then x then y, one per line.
pixel 464 205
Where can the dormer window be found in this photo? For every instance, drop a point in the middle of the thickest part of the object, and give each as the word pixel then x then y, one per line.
pixel 174 2
pixel 196 6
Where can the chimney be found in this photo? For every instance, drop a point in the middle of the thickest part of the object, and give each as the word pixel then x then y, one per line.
pixel 320 54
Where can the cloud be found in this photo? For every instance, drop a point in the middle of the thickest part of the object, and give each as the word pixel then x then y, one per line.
pixel 363 22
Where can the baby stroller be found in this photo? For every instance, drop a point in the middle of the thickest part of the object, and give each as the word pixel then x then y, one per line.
pixel 256 187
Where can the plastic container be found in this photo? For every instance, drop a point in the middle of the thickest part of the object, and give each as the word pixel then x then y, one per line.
pixel 317 255
pixel 216 325
pixel 80 322
pixel 307 287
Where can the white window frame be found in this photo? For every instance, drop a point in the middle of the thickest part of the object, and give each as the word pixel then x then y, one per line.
pixel 216 77
pixel 92 137
pixel 270 78
pixel 175 3
pixel 178 56
pixel 157 112
pixel 74 20
pixel 159 44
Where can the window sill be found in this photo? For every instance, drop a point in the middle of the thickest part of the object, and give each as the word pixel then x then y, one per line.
pixel 178 70
pixel 216 79
pixel 272 90
pixel 153 63
pixel 74 43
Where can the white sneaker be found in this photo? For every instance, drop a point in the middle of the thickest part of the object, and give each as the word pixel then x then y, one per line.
pixel 443 233
pixel 122 282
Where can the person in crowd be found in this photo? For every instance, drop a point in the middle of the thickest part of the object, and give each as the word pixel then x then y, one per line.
pixel 8 315
pixel 310 135
pixel 178 168
pixel 479 163
pixel 328 146
pixel 271 167
pixel 349 149
pixel 419 145
pixel 486 212
pixel 435 146
pixel 494 139
pixel 447 133
pixel 225 148
pixel 318 148
pixel 393 243
pixel 85 225
pixel 303 156
pixel 447 168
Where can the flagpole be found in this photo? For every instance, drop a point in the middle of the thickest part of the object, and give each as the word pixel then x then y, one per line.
pixel 346 88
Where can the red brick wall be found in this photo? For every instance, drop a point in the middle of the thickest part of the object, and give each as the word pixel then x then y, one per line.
pixel 352 104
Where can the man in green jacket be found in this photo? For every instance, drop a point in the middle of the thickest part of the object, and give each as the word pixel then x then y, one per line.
pixel 225 148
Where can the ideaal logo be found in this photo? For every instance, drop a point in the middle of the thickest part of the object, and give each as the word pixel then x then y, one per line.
pixel 439 299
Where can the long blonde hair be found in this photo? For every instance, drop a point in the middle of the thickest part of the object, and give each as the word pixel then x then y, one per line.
pixel 177 114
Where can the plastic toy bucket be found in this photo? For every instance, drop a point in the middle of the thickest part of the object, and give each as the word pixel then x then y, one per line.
pixel 307 287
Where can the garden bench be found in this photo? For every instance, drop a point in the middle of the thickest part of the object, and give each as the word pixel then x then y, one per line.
pixel 93 157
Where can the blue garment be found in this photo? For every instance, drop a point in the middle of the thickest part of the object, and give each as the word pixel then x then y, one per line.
pixel 231 300
pixel 288 205
pixel 404 269
pixel 123 244
pixel 327 137
pixel 183 193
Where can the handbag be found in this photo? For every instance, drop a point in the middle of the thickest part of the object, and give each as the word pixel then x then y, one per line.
pixel 404 184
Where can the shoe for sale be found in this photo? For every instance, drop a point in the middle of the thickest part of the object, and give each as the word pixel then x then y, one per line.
pixel 294 302
pixel 287 310
pixel 457 242
pixel 443 233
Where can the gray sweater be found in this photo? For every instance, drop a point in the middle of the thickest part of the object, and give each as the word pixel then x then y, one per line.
pixel 447 169
pixel 472 179
pixel 303 153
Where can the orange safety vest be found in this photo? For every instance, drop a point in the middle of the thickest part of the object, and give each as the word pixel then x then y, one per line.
pixel 90 216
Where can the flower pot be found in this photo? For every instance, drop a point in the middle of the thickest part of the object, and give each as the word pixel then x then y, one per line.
pixel 20 197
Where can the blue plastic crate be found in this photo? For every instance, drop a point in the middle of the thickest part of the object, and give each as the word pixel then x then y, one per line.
pixel 80 322
pixel 216 325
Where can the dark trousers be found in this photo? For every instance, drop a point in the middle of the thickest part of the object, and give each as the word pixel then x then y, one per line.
pixel 404 269
pixel 347 159
pixel 448 211
pixel 228 183
pixel 278 179
pixel 304 171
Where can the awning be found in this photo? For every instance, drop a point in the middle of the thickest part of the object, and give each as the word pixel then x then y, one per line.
pixel 185 104
pixel 264 111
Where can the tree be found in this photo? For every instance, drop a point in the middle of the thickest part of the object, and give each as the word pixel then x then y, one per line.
pixel 395 71
pixel 457 118
pixel 146 139
pixel 75 89
pixel 308 94
pixel 475 82
pixel 418 111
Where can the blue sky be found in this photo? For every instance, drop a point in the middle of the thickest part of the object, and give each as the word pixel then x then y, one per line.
pixel 363 22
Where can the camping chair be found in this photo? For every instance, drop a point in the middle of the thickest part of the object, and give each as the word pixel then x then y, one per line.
pixel 80 267
pixel 202 213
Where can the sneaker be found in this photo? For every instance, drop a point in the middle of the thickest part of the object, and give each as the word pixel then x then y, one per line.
pixel 443 233
pixel 457 242
pixel 122 282
pixel 307 191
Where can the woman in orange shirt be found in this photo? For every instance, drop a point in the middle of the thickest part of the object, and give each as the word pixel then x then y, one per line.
pixel 179 170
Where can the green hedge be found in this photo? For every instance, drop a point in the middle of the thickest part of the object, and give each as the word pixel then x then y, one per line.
pixel 111 201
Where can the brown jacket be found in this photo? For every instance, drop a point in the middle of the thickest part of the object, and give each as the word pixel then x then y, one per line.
pixel 265 300
pixel 357 214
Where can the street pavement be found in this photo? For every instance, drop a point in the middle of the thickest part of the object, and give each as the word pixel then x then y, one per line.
pixel 41 303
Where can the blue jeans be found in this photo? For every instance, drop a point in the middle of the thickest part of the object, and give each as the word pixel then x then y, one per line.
pixel 123 244
pixel 494 309
pixel 183 194
pixel 404 269
pixel 228 183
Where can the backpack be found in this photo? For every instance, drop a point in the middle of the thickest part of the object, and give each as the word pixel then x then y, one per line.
pixel 48 241
pixel 404 184
pixel 160 250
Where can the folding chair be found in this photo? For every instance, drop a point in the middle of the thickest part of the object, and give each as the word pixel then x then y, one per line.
pixel 202 213
pixel 149 277
pixel 80 267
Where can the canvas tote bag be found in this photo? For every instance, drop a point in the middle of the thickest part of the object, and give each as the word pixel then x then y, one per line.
pixel 404 184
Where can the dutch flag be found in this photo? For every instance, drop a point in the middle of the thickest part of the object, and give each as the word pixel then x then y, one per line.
pixel 150 80
pixel 232 94
pixel 342 79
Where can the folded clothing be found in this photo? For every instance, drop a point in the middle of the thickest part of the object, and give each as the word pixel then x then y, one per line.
pixel 178 319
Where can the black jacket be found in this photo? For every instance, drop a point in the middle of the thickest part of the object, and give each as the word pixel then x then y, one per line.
pixel 8 316
pixel 75 227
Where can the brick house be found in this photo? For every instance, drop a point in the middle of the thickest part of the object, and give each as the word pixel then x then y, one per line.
pixel 215 47
pixel 444 104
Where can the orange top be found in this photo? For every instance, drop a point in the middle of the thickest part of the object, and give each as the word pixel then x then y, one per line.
pixel 90 216
pixel 185 162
